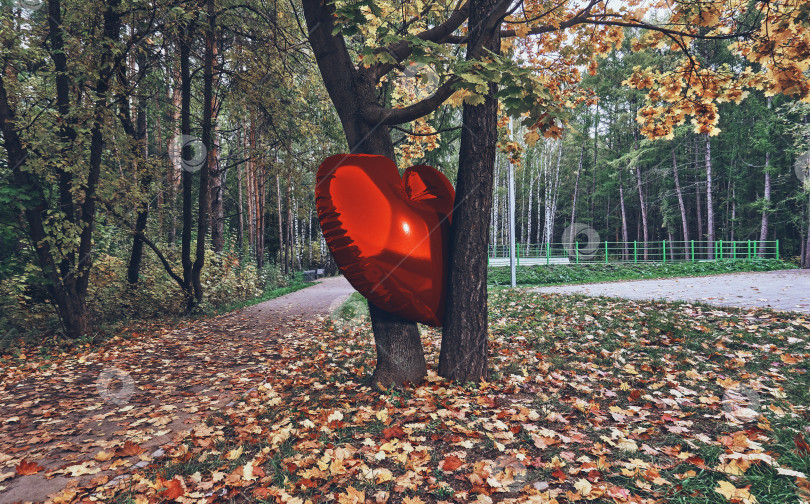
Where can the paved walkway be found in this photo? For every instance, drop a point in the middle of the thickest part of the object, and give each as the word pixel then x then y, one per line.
pixel 785 290
pixel 320 299
pixel 61 416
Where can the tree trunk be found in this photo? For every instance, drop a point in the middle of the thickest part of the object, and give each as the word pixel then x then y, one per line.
pixel 281 244
pixel 207 137
pixel 174 167
pixel 807 242
pixel 142 152
pixel 681 205
pixel 709 199
pixel 463 355
pixel 625 236
pixel 733 209
pixel 766 207
pixel 698 204
pixel 576 190
pixel 74 322
pixel 350 92
pixel 530 208
pixel 186 175
pixel 643 206
pixel 240 217
pixel 217 172
pixel 261 205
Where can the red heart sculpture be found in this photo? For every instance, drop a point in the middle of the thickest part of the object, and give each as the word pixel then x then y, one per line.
pixel 388 234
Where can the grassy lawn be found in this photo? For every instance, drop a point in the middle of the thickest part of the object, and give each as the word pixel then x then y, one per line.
pixel 589 400
pixel 588 273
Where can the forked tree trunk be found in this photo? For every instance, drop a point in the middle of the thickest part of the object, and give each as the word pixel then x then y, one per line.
pixel 400 357
pixel 463 355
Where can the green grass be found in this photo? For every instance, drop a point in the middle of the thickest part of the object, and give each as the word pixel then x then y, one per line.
pixel 355 307
pixel 574 360
pixel 589 273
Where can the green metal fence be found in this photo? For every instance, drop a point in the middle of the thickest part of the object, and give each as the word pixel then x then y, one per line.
pixel 634 252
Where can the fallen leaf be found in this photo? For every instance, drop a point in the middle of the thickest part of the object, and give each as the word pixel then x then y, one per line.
pixel 451 463
pixel 24 468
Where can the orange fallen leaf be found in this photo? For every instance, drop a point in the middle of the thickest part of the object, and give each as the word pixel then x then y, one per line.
pixel 789 359
pixel 393 432
pixel 451 463
pixel 103 456
pixel 171 489
pixel 802 448
pixel 24 468
pixel 352 496
pixel 128 450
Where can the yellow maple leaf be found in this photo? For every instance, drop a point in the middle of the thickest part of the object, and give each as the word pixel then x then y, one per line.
pixel 732 493
pixel 352 496
pixel 235 453
pixel 583 486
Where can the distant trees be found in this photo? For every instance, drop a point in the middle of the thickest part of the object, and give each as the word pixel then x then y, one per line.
pixel 127 122
pixel 186 129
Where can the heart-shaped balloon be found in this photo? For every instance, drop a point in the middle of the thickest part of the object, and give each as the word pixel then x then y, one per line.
pixel 388 234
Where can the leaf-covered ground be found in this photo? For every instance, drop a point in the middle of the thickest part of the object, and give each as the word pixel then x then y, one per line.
pixel 590 400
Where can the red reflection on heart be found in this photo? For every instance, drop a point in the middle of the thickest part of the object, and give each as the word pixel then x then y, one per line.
pixel 388 234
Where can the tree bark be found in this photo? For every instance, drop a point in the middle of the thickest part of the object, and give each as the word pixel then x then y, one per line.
pixel 185 175
pixel 625 235
pixel 766 207
pixel 709 199
pixel 807 242
pixel 733 209
pixel 643 207
pixel 240 217
pixel 681 205
pixel 530 208
pixel 141 153
pixel 216 170
pixel 576 190
pixel 463 355
pixel 207 136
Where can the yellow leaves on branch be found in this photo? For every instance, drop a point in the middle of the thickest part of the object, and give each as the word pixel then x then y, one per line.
pixel 780 45
pixel 424 139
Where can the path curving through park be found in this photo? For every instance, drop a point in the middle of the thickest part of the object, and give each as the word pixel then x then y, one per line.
pixel 80 435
